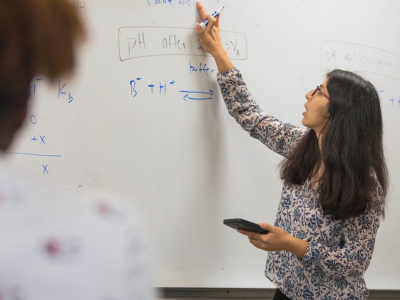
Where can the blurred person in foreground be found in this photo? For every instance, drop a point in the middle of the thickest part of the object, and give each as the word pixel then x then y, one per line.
pixel 56 247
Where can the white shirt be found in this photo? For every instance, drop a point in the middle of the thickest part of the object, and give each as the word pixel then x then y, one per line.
pixel 59 246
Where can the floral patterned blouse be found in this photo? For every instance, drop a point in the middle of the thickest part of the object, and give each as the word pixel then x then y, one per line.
pixel 339 251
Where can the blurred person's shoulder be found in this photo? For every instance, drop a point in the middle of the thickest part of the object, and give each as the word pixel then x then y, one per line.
pixel 95 233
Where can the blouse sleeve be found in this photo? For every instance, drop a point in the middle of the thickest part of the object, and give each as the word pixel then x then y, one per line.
pixel 353 256
pixel 279 137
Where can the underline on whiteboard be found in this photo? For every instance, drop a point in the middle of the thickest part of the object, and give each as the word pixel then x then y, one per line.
pixel 33 154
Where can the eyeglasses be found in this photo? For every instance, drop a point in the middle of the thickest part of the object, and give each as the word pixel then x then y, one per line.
pixel 319 90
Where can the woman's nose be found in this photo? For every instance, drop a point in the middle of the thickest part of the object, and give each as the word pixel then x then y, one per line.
pixel 308 95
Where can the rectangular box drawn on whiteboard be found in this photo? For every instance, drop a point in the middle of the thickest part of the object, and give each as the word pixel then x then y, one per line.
pixel 359 58
pixel 143 41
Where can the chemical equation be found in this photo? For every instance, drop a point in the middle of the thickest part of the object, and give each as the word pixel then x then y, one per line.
pixel 161 88
pixel 135 42
pixel 359 58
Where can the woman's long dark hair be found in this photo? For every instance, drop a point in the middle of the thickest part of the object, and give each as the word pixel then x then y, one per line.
pixel 352 149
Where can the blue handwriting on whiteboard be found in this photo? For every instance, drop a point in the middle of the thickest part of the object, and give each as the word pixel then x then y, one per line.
pixel 33 154
pixel 163 87
pixel 170 2
pixel 162 2
pixel 41 139
pixel 79 191
pixel 393 101
pixel 34 87
pixel 60 89
pixel 33 119
pixel 208 95
pixel 60 92
pixel 187 2
pixel 133 86
pixel 151 86
pixel 202 69
pixel 45 169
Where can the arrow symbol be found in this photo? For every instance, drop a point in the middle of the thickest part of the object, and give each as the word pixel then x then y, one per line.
pixel 208 95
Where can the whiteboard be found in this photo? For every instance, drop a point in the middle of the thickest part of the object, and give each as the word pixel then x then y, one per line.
pixel 144 116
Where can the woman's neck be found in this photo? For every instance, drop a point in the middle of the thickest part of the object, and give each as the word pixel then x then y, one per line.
pixel 319 137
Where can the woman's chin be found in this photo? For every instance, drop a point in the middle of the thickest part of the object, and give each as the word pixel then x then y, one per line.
pixel 305 123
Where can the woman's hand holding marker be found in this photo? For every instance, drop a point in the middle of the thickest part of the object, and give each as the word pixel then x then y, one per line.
pixel 210 40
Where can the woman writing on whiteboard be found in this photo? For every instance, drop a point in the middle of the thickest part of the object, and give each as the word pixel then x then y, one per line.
pixel 335 180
